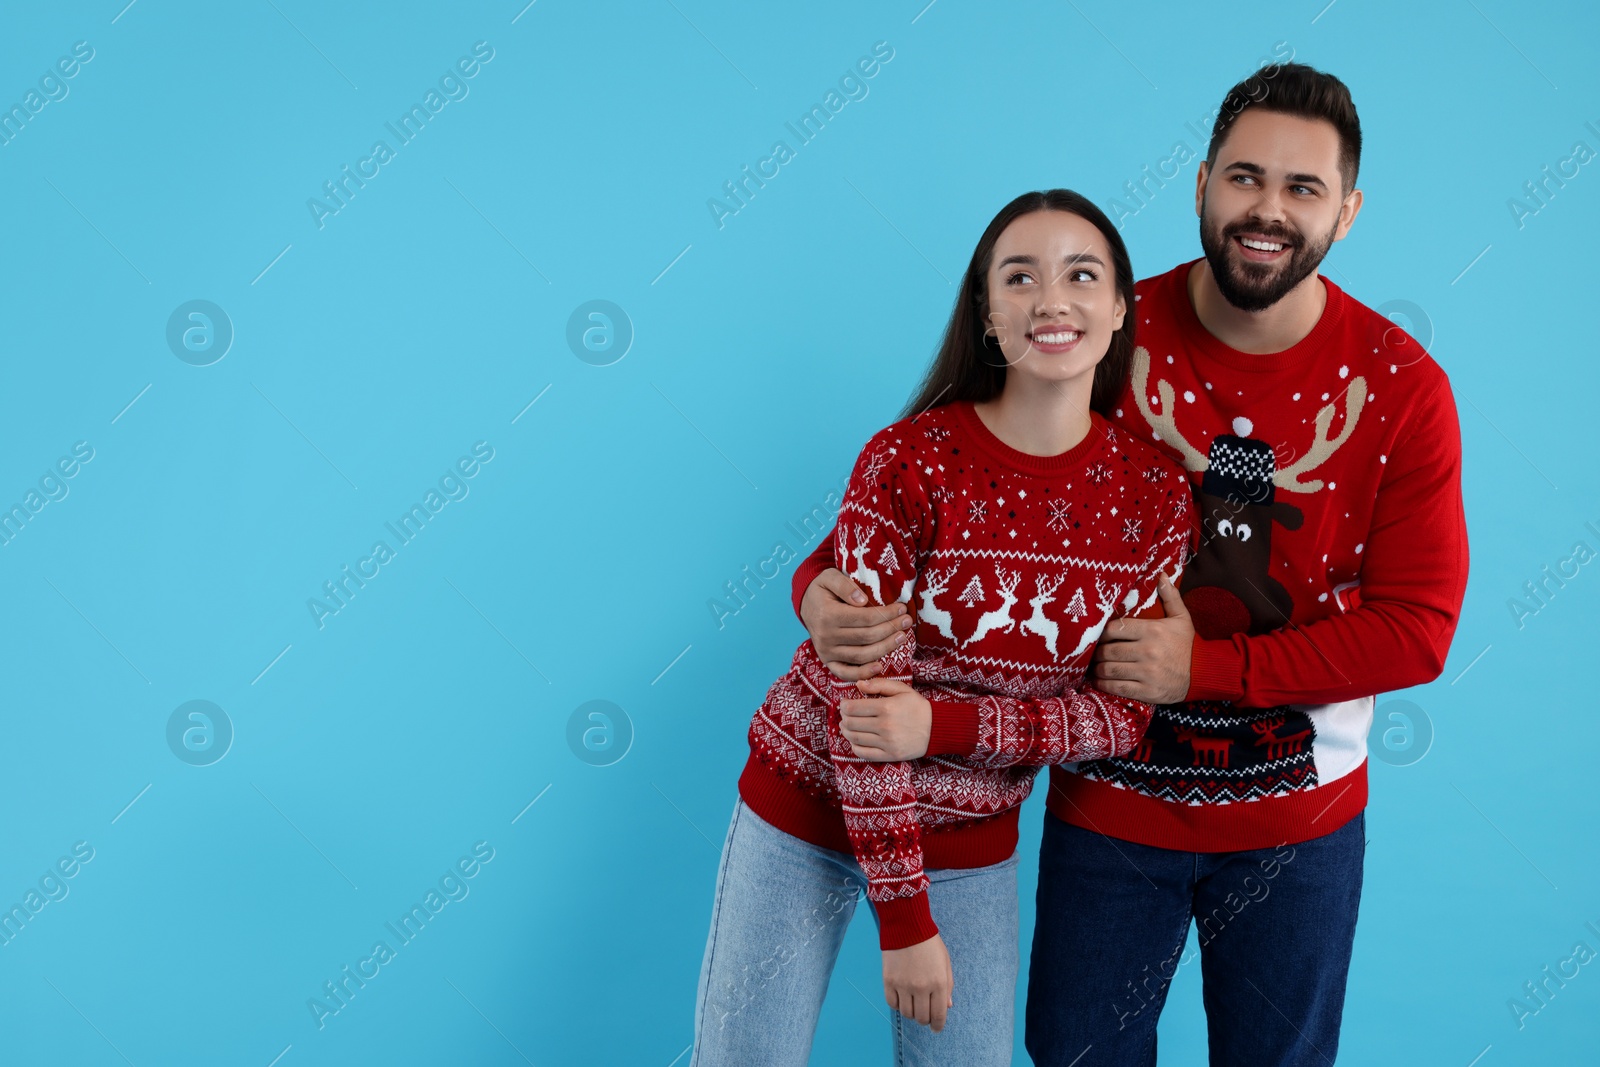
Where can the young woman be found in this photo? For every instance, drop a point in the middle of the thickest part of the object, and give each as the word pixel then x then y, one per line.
pixel 1020 523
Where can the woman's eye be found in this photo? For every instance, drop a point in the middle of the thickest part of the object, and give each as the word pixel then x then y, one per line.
pixel 1021 274
pixel 1086 274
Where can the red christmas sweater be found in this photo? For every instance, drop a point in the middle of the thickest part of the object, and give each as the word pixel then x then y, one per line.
pixel 1016 563
pixel 1331 567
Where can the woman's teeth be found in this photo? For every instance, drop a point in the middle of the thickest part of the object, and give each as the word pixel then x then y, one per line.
pixel 1063 338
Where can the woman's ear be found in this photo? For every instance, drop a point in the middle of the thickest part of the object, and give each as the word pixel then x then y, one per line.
pixel 1118 314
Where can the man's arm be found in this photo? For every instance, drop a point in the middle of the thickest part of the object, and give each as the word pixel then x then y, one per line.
pixel 850 634
pixel 1413 578
pixel 821 559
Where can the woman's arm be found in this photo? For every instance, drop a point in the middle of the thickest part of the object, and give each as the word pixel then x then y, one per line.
pixel 907 721
pixel 884 528
pixel 895 721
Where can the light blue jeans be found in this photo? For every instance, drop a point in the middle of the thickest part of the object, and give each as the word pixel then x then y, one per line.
pixel 781 909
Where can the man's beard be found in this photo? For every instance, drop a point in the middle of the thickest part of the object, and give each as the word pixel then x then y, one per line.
pixel 1257 286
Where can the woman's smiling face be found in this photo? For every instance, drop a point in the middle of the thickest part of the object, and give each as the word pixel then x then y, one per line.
pixel 1053 299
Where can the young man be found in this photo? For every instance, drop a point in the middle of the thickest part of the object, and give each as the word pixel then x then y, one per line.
pixel 1324 451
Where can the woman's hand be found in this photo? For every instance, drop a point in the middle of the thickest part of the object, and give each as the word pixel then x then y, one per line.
pixel 894 726
pixel 918 983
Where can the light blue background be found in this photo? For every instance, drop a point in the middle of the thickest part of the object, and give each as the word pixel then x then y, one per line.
pixel 430 311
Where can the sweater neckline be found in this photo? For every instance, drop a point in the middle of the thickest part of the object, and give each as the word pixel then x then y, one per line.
pixel 1194 332
pixel 1069 460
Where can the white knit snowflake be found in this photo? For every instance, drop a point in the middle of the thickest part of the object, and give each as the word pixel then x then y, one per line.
pixel 1059 516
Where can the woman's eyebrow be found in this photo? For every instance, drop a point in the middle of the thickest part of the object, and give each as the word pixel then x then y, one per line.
pixel 1076 257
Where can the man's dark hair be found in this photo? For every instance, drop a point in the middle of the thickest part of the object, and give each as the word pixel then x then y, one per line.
pixel 1302 91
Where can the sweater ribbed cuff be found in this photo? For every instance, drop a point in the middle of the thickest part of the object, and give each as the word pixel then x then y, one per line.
pixel 904 922
pixel 1216 671
pixel 955 728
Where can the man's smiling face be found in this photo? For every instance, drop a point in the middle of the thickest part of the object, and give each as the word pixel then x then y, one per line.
pixel 1272 206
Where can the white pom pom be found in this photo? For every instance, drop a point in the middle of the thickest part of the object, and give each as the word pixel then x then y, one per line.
pixel 1242 426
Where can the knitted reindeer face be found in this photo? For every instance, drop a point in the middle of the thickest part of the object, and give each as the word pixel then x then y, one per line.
pixel 1227 586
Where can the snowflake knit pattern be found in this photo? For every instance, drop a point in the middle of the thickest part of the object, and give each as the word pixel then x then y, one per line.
pixel 1013 565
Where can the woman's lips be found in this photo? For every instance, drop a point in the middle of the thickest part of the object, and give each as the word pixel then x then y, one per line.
pixel 1055 339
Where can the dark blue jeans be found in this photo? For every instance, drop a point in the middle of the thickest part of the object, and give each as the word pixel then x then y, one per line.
pixel 1275 932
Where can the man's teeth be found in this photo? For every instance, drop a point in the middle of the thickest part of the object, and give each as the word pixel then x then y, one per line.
pixel 1260 246
pixel 1063 338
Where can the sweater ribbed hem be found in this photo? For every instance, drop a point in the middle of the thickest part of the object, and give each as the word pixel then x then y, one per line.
pixel 1216 671
pixel 955 729
pixel 1266 823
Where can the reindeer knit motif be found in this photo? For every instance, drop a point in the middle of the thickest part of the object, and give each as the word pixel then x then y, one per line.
pixel 1330 568
pixel 1012 564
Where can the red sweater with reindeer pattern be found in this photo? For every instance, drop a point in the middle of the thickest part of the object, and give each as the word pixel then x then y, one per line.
pixel 1331 568
pixel 1018 562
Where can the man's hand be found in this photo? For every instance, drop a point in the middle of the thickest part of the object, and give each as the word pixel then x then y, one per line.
pixel 918 982
pixel 1147 659
pixel 895 726
pixel 850 635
